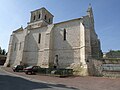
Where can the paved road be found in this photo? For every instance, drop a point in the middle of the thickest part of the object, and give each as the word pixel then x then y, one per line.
pixel 12 82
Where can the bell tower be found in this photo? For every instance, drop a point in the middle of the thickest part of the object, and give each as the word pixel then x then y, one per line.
pixel 39 18
pixel 90 13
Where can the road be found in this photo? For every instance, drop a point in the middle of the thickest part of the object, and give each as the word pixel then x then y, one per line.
pixel 13 82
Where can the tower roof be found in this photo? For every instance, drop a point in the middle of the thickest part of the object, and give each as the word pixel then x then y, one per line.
pixel 43 8
pixel 89 8
pixel 18 30
pixel 90 11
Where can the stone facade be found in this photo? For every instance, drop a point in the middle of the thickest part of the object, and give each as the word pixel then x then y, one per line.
pixel 71 44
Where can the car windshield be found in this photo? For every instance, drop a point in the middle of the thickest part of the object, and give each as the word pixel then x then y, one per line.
pixel 15 66
pixel 29 67
pixel 36 67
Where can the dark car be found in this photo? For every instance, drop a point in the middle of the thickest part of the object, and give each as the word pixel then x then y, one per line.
pixel 31 69
pixel 18 68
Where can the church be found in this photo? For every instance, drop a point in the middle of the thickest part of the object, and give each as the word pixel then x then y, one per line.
pixel 69 44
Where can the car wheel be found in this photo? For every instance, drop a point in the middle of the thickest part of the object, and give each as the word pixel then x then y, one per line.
pixel 26 72
pixel 29 73
pixel 33 73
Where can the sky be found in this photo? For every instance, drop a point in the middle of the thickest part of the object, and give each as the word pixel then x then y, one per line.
pixel 16 13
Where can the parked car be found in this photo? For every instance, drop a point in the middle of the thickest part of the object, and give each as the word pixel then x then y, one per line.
pixel 18 68
pixel 31 69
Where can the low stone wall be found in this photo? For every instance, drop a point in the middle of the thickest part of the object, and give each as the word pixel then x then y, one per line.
pixel 111 61
pixel 110 67
pixel 92 68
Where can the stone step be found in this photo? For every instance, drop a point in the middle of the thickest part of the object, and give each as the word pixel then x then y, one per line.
pixel 111 74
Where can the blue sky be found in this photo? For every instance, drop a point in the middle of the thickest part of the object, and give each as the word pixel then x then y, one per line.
pixel 16 13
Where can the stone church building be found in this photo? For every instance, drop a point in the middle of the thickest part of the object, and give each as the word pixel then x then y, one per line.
pixel 68 44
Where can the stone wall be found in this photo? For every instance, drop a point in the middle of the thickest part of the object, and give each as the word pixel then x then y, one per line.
pixel 34 51
pixel 15 49
pixel 68 50
pixel 95 67
pixel 111 67
pixel 111 61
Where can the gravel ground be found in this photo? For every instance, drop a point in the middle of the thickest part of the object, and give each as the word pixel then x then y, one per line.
pixel 83 83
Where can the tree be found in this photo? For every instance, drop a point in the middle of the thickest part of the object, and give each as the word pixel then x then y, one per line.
pixel 3 52
pixel 113 54
pixel 0 51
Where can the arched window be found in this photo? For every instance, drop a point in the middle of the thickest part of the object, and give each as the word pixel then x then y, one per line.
pixel 49 20
pixel 34 17
pixel 64 35
pixel 45 17
pixel 39 16
pixel 56 63
pixel 39 38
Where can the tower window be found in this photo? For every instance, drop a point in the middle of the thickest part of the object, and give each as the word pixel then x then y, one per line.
pixel 39 38
pixel 64 35
pixel 49 20
pixel 34 18
pixel 39 16
pixel 45 17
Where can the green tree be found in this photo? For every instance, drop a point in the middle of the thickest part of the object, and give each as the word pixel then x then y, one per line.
pixel 3 52
pixel 113 54
pixel 0 51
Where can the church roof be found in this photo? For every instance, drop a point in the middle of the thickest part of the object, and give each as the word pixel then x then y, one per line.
pixel 68 20
pixel 18 30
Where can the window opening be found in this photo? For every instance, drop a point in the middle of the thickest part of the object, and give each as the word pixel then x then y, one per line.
pixel 64 35
pixel 45 17
pixel 39 16
pixel 39 38
pixel 34 18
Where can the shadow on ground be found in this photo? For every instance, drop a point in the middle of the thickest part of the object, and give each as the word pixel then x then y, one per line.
pixel 17 83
